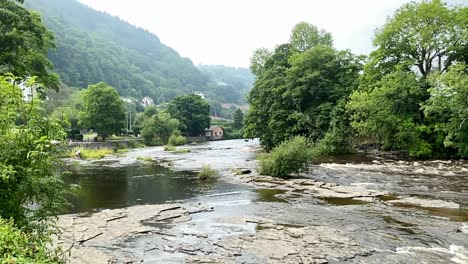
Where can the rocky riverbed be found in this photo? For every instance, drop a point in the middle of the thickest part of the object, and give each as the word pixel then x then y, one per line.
pixel 348 210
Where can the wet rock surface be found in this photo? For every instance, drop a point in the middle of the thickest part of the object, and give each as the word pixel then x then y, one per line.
pixel 343 211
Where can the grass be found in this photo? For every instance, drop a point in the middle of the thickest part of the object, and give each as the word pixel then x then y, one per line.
pixel 207 173
pixel 91 154
pixel 182 151
pixel 169 148
pixel 147 159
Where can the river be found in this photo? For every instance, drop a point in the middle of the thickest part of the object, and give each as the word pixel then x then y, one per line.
pixel 419 216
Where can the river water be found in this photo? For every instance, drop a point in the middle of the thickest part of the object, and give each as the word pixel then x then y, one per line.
pixel 435 231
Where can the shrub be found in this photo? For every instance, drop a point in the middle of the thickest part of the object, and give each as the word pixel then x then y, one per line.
pixel 172 140
pixel 19 247
pixel 169 148
pixel 91 153
pixel 180 140
pixel 291 156
pixel 181 151
pixel 207 173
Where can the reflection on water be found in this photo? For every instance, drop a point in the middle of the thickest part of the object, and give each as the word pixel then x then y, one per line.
pixel 104 186
pixel 269 195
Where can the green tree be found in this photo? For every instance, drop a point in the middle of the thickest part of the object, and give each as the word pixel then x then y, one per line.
pixel 29 163
pixel 420 40
pixel 298 93
pixel 238 119
pixel 258 60
pixel 193 112
pixel 426 35
pixel 157 129
pixel 305 36
pixel 447 107
pixel 25 43
pixel 103 110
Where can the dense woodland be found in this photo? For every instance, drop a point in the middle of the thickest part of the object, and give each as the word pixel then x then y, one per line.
pixel 92 46
pixel 409 95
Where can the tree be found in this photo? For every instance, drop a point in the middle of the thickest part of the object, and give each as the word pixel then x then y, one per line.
pixel 103 110
pixel 238 119
pixel 258 60
pixel 158 128
pixel 448 107
pixel 193 112
pixel 25 43
pixel 302 93
pixel 426 35
pixel 305 36
pixel 420 41
pixel 29 163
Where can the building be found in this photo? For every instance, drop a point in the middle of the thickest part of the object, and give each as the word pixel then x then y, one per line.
pixel 147 101
pixel 214 133
pixel 28 91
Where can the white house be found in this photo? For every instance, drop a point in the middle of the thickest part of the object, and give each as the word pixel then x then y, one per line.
pixel 28 91
pixel 147 101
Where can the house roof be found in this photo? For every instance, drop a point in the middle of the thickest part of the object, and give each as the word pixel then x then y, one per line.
pixel 213 127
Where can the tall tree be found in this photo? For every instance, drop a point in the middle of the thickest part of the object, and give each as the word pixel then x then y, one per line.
pixel 305 36
pixel 25 43
pixel 103 110
pixel 29 162
pixel 238 119
pixel 418 41
pixel 426 35
pixel 192 111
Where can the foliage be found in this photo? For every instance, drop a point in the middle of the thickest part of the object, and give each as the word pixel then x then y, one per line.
pixel 169 148
pixel 103 110
pixel 93 46
pixel 297 93
pixel 207 173
pixel 448 107
pixel 91 154
pixel 180 140
pixel 29 161
pixel 17 246
pixel 25 43
pixel 230 84
pixel 238 119
pixel 291 156
pixel 425 35
pixel 193 112
pixel 305 36
pixel 397 105
pixel 158 128
pixel 389 114
pixel 182 151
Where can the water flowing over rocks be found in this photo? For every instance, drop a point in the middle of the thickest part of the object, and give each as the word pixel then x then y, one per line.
pixel 343 211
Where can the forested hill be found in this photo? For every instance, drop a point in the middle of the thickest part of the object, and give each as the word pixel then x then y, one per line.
pixel 233 84
pixel 93 46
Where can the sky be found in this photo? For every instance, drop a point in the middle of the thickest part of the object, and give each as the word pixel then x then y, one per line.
pixel 226 32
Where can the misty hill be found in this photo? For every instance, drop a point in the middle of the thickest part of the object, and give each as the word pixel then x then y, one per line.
pixel 230 84
pixel 93 46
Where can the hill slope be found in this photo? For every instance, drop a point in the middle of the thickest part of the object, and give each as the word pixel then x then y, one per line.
pixel 93 46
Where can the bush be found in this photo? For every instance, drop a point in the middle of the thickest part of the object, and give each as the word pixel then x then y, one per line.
pixel 180 140
pixel 182 151
pixel 91 153
pixel 207 173
pixel 78 137
pixel 291 156
pixel 19 247
pixel 169 148
pixel 172 140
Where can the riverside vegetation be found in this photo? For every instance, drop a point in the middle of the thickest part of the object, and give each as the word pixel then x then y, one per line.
pixel 308 99
pixel 408 96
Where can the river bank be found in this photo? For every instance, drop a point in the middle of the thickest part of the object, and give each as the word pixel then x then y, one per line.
pixel 350 210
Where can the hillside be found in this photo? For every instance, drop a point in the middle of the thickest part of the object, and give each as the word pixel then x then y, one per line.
pixel 93 46
pixel 230 85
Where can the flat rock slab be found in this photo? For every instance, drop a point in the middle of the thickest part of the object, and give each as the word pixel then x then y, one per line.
pixel 425 203
pixel 92 239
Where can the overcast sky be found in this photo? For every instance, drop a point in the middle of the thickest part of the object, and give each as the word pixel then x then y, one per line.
pixel 228 31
